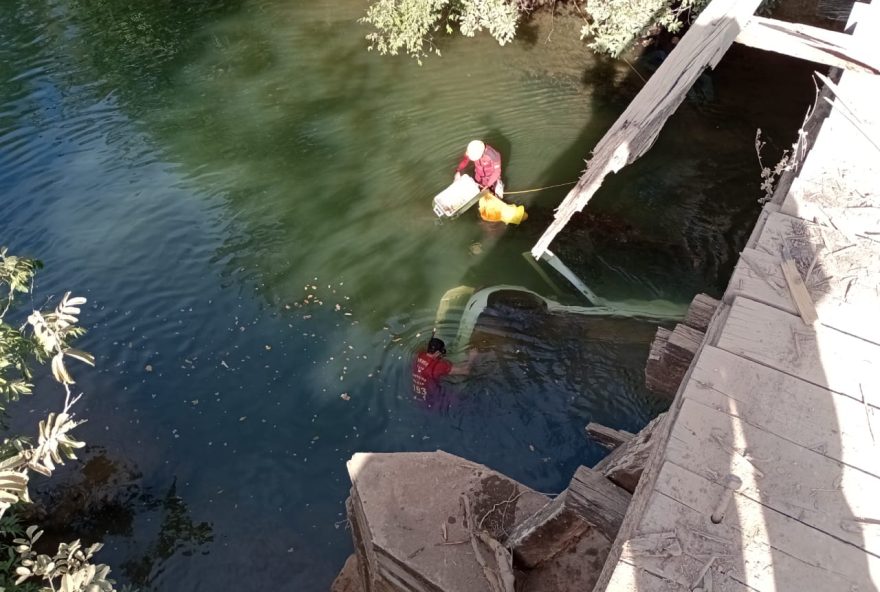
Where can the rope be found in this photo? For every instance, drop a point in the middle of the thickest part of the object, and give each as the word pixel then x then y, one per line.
pixel 538 188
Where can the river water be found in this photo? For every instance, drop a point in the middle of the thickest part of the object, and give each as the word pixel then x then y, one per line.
pixel 243 193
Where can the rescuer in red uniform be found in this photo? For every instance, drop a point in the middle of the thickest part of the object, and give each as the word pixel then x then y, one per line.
pixel 487 166
pixel 429 368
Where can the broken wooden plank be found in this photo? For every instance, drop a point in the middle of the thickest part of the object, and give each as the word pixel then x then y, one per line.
pixel 635 131
pixel 841 170
pixel 598 501
pixel 825 256
pixel 590 501
pixel 545 534
pixel 670 357
pixel 607 437
pixel 825 357
pixel 823 493
pixel 626 463
pixel 825 422
pixel 684 341
pixel 659 379
pixel 700 311
pixel 805 42
pixel 798 291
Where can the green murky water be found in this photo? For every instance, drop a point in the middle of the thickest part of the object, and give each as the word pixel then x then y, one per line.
pixel 243 193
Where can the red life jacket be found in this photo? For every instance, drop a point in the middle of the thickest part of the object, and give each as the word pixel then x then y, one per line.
pixel 487 170
pixel 426 374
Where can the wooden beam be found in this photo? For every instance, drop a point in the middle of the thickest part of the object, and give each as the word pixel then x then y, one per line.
pixel 590 501
pixel 546 533
pixel 669 359
pixel 607 437
pixel 626 463
pixel 597 500
pixel 813 44
pixel 700 312
pixel 637 128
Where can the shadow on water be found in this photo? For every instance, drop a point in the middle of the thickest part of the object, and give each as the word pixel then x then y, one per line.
pixel 528 32
pixel 106 500
pixel 496 138
pixel 682 208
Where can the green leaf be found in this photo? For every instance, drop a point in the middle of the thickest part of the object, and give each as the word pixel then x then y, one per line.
pixel 80 355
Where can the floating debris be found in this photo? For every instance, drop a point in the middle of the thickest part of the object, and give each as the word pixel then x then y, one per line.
pixel 345 397
pixel 148 368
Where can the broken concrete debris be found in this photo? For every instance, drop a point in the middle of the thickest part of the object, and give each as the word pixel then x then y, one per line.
pixel 434 522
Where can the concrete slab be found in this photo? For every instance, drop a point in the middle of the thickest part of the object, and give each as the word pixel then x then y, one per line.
pixel 410 514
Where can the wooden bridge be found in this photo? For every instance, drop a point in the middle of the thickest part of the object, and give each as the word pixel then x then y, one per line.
pixel 767 474
pixel 764 475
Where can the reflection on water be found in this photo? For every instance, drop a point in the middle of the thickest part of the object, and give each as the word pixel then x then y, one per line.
pixel 243 193
pixel 106 498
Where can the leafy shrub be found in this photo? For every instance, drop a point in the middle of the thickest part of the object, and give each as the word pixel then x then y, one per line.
pixel 616 24
pixel 411 26
pixel 45 337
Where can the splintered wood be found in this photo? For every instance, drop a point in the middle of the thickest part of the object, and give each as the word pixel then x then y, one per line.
pixel 672 351
pixel 635 131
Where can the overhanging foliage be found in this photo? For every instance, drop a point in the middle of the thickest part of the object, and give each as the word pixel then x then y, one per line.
pixel 411 26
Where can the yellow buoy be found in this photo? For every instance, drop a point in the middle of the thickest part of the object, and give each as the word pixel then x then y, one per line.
pixel 493 209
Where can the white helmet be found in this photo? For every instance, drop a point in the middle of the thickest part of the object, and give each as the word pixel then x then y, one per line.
pixel 475 149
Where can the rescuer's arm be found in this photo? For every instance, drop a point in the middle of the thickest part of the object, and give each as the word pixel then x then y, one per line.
pixel 461 166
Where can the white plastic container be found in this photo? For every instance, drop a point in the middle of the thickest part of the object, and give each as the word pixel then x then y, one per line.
pixel 455 199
